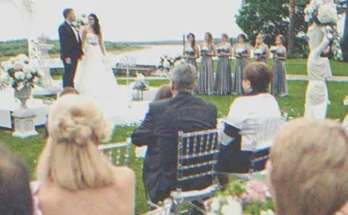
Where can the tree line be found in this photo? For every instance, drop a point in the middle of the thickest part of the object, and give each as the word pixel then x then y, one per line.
pixel 273 17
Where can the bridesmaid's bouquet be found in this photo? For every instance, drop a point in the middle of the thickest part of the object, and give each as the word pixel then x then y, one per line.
pixel 205 51
pixel 240 52
pixel 257 52
pixel 189 51
pixel 274 49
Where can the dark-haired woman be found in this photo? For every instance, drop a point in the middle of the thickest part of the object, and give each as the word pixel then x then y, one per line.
pixel 241 53
pixel 191 51
pixel 93 78
pixel 279 84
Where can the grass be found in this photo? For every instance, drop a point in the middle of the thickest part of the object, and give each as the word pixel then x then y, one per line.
pixel 299 67
pixel 28 150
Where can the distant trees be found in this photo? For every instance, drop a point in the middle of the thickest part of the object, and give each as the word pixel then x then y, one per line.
pixel 273 17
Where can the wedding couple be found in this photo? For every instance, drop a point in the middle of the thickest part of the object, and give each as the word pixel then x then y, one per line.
pixel 83 53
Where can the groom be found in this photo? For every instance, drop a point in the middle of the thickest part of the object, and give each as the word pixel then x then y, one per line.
pixel 70 47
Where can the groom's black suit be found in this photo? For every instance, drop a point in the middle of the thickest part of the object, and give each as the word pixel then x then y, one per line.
pixel 70 47
pixel 159 131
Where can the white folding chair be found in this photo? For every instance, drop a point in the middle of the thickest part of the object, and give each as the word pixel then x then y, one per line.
pixel 118 153
pixel 197 158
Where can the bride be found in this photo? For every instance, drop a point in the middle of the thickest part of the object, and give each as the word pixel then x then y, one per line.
pixel 94 79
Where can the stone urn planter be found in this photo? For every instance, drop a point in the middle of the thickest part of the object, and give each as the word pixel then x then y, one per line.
pixel 24 117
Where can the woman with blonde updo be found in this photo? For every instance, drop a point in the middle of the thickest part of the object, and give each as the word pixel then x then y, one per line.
pixel 74 176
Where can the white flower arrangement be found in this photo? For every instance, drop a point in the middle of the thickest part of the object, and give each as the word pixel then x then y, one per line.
pixel 286 19
pixel 167 63
pixel 301 35
pixel 21 75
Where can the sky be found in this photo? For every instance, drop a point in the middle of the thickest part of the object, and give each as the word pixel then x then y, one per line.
pixel 128 20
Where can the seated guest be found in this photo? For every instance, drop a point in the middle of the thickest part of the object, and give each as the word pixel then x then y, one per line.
pixel 308 169
pixel 163 93
pixel 257 104
pixel 159 132
pixel 74 176
pixel 15 195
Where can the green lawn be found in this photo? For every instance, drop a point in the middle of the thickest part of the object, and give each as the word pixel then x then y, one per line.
pixel 299 67
pixel 28 150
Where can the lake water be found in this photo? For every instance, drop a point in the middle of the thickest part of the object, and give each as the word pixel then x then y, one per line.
pixel 150 55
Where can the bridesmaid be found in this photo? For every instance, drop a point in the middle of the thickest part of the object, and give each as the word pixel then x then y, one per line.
pixel 260 50
pixel 279 85
pixel 223 79
pixel 206 76
pixel 191 51
pixel 241 53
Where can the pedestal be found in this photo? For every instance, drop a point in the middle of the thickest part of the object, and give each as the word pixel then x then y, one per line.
pixel 24 123
pixel 137 95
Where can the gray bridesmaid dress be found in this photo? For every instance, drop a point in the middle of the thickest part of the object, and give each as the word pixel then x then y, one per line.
pixel 279 83
pixel 223 78
pixel 263 52
pixel 241 63
pixel 206 75
pixel 191 52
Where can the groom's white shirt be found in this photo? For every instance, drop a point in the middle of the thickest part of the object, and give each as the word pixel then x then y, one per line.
pixel 75 31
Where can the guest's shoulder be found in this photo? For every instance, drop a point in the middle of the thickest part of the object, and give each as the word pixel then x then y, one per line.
pixel 124 175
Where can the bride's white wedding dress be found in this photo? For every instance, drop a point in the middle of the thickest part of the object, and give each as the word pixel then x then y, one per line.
pixel 93 77
pixel 95 80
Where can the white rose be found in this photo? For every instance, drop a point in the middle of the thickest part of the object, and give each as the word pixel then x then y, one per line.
pixel 36 80
pixel 27 69
pixel 166 64
pixel 28 76
pixel 18 66
pixel 19 75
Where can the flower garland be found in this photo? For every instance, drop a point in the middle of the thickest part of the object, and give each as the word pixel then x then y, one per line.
pixel 248 196
pixel 312 15
pixel 20 74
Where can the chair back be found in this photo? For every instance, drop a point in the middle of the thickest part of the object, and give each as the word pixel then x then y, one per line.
pixel 117 153
pixel 197 154
pixel 161 210
pixel 261 132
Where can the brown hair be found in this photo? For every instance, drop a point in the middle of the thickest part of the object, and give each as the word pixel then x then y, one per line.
pixel 225 36
pixel 282 38
pixel 163 93
pixel 309 168
pixel 259 75
pixel 210 36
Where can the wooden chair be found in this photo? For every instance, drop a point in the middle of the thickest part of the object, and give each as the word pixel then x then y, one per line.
pixel 197 157
pixel 118 153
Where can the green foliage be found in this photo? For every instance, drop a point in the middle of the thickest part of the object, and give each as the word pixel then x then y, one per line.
pixel 270 18
pixel 15 47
